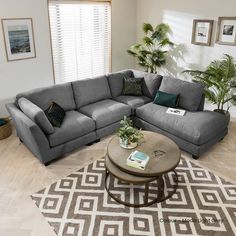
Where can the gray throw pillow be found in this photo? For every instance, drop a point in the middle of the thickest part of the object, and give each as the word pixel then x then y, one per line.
pixel 190 94
pixel 36 114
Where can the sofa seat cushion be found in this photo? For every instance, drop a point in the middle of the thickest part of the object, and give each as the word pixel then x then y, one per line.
pixel 91 90
pixel 194 127
pixel 133 101
pixel 106 112
pixel 73 126
pixel 62 94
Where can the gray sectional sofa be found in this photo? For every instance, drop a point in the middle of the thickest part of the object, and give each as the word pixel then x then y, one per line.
pixel 94 108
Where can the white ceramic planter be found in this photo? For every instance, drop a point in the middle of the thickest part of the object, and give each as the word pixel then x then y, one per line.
pixel 126 145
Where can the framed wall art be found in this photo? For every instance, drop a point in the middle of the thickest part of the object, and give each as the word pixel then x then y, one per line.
pixel 19 38
pixel 202 32
pixel 226 33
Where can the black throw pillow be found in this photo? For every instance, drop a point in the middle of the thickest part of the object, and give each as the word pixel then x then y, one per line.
pixel 132 86
pixel 55 114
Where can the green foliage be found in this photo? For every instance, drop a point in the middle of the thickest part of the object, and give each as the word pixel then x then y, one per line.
pixel 128 132
pixel 219 79
pixel 149 52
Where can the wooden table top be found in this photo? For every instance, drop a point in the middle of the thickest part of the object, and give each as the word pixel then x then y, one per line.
pixel 163 152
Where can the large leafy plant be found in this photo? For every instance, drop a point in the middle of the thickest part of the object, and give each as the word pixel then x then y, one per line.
pixel 219 79
pixel 151 51
pixel 128 132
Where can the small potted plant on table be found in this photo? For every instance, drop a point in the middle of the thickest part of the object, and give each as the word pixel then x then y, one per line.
pixel 128 134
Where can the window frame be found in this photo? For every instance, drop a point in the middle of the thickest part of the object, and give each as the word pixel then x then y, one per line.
pixel 50 36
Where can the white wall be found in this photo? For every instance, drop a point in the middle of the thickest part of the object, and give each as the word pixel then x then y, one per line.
pixel 24 75
pixel 18 76
pixel 179 15
pixel 123 33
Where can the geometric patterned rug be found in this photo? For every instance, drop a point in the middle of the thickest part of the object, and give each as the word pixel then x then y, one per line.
pixel 204 204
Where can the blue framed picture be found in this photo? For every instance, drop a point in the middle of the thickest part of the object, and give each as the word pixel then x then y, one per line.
pixel 19 38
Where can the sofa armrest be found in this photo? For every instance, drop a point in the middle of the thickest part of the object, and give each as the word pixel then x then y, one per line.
pixel 30 133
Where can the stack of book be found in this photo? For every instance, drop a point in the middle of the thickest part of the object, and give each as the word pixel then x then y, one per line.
pixel 138 160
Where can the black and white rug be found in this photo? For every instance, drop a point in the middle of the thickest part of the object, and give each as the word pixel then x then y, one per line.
pixel 204 204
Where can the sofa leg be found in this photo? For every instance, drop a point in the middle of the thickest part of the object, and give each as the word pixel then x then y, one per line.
pixel 21 140
pixel 195 157
pixel 46 164
pixel 90 144
pixel 97 141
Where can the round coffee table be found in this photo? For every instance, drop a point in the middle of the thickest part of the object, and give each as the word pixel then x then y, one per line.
pixel 164 157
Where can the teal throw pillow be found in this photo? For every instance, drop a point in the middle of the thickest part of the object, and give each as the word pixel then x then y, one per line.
pixel 55 114
pixel 166 99
pixel 132 86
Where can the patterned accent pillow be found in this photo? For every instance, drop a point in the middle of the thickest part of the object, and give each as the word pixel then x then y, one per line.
pixel 132 86
pixel 55 114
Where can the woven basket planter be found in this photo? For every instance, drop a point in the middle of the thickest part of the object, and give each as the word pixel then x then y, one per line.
pixel 5 130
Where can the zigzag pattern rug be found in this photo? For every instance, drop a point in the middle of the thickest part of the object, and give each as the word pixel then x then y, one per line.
pixel 204 204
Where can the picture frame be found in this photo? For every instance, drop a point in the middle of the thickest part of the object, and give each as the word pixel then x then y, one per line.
pixel 18 38
pixel 226 32
pixel 202 32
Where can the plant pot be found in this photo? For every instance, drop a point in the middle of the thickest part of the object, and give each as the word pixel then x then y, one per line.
pixel 124 143
pixel 225 113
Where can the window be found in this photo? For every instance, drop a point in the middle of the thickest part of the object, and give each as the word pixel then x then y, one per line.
pixel 81 39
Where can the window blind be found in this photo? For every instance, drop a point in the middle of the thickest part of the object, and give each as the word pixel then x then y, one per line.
pixel 81 39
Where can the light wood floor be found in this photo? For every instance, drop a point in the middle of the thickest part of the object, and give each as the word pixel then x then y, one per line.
pixel 21 174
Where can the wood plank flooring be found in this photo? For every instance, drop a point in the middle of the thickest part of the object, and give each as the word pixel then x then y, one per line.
pixel 21 174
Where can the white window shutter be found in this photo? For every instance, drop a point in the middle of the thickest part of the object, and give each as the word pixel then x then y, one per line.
pixel 81 39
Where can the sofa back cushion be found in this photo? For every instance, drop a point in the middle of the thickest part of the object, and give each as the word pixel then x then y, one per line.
pixel 116 82
pixel 62 94
pixel 151 83
pixel 92 90
pixel 36 114
pixel 190 94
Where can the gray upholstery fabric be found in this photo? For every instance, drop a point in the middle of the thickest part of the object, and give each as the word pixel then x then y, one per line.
pixel 133 101
pixel 30 133
pixel 110 129
pixel 194 149
pixel 202 103
pixel 36 114
pixel 115 81
pixel 195 127
pixel 190 93
pixel 74 126
pixel 62 94
pixel 90 90
pixel 37 142
pixel 151 83
pixel 106 112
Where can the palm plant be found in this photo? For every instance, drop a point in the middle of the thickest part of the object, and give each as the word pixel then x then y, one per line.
pixel 219 79
pixel 150 51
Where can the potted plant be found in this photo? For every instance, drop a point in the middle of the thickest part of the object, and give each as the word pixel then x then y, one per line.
pixel 129 135
pixel 219 79
pixel 151 51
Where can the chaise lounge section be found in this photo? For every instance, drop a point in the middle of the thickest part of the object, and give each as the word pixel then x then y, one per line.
pixel 94 107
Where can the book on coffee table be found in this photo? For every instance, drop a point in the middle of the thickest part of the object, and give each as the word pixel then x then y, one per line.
pixel 138 160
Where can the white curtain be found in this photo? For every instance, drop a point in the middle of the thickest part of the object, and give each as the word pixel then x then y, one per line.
pixel 81 39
